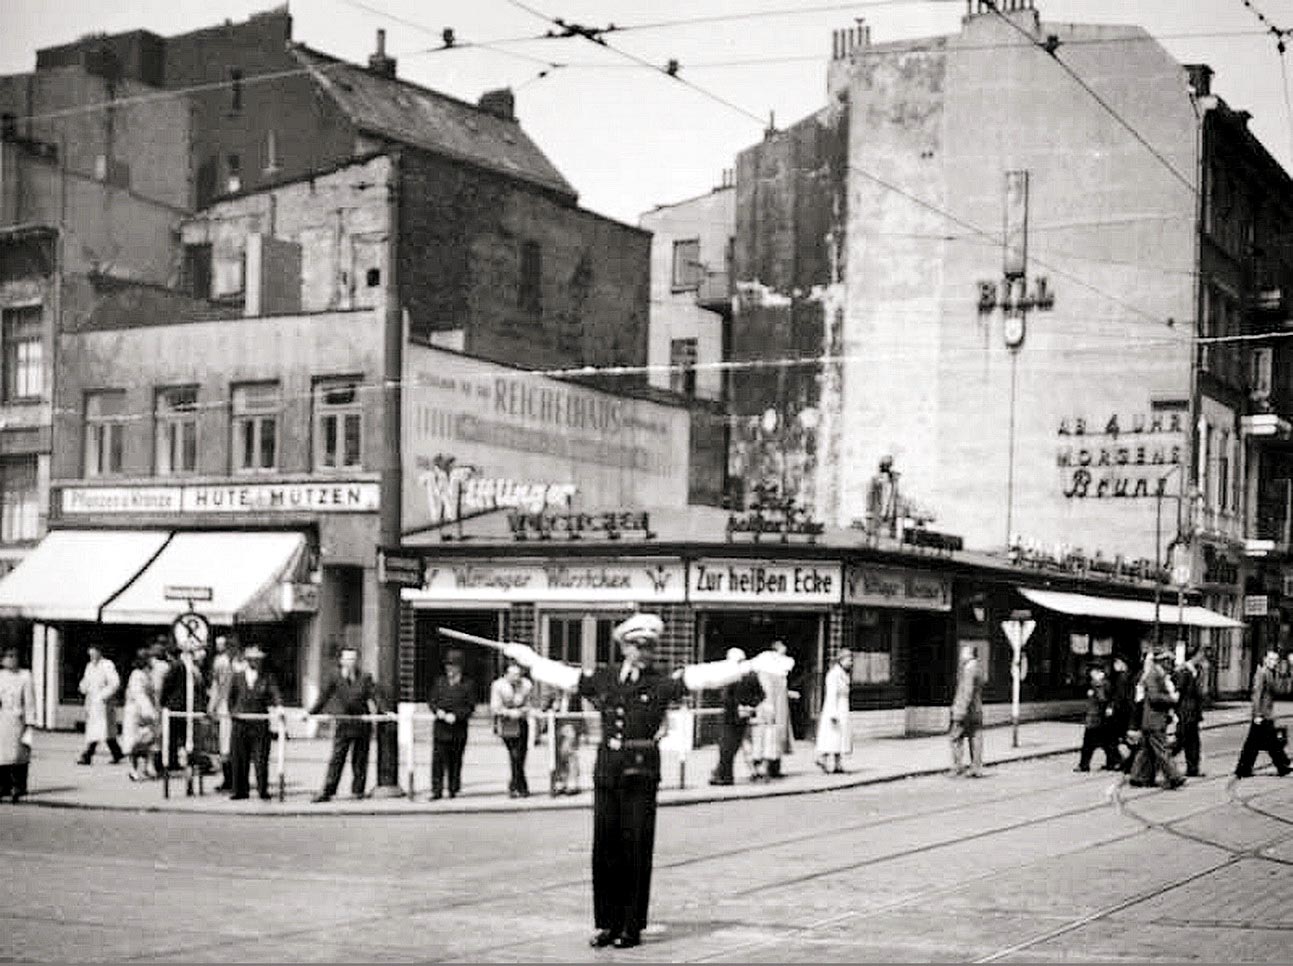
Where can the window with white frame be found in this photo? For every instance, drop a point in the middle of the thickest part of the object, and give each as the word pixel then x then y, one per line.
pixel 255 427
pixel 176 416
pixel 19 499
pixel 105 430
pixel 687 269
pixel 338 424
pixel 24 354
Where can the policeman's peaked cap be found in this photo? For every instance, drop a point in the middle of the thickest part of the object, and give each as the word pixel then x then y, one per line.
pixel 639 629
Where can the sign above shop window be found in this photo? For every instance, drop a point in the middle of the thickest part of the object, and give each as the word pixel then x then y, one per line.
pixel 764 582
pixel 577 526
pixel 775 516
pixel 582 581
pixel 324 496
pixel 875 586
pixel 457 491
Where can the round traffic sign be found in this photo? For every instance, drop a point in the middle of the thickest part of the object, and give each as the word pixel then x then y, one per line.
pixel 191 630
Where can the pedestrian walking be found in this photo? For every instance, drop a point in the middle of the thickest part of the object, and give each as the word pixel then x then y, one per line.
pixel 181 694
pixel 139 717
pixel 253 692
pixel 1122 699
pixel 100 684
pixel 967 713
pixel 1097 731
pixel 569 737
pixel 1159 699
pixel 834 730
pixel 509 703
pixel 17 718
pixel 452 700
pixel 770 731
pixel 632 699
pixel 1262 735
pixel 351 693
pixel 741 702
pixel 218 705
pixel 1189 713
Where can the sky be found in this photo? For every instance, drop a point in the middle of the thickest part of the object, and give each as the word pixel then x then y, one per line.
pixel 627 136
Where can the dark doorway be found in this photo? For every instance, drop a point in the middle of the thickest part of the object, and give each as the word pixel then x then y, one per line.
pixel 931 664
pixel 753 633
pixel 480 664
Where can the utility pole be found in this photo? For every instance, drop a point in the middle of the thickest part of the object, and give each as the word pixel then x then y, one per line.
pixel 390 523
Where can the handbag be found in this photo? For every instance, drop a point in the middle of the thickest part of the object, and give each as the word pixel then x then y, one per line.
pixel 507 727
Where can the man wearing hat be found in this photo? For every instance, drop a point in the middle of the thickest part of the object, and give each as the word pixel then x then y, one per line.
pixel 1160 697
pixel 253 692
pixel 632 698
pixel 452 700
pixel 740 701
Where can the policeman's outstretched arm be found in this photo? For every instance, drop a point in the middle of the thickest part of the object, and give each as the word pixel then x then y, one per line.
pixel 542 669
pixel 719 674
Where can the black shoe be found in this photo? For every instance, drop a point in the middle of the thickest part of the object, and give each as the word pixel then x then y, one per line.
pixel 83 760
pixel 1135 783
pixel 317 799
pixel 1081 768
pixel 1175 783
pixel 602 938
pixel 436 796
pixel 627 941
pixel 721 781
pixel 265 796
pixel 238 798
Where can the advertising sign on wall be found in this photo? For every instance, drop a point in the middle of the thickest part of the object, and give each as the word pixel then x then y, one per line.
pixel 873 586
pixel 584 581
pixel 480 437
pixel 339 496
pixel 764 582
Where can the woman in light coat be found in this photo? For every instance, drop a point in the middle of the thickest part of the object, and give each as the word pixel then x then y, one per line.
pixel 834 735
pixel 139 719
pixel 17 715
pixel 770 735
pixel 99 684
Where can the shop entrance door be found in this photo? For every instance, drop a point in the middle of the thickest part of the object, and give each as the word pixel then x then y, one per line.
pixel 430 648
pixel 582 639
pixel 931 665
pixel 804 635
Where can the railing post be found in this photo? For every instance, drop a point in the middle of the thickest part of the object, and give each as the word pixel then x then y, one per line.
pixel 281 757
pixel 166 753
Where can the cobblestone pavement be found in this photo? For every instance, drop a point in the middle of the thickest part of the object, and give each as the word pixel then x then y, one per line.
pixel 1032 863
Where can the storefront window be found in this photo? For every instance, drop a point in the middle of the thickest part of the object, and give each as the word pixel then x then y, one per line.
pixel 105 424
pixel 338 422
pixel 873 647
pixel 255 427
pixel 177 430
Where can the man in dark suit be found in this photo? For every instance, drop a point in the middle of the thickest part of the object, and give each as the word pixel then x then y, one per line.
pixel 349 692
pixel 1261 733
pixel 452 700
pixel 1189 713
pixel 632 699
pixel 1160 698
pixel 252 691
pixel 179 699
pixel 1096 733
pixel 739 703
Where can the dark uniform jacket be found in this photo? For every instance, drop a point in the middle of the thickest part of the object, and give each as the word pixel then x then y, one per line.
pixel 340 696
pixel 258 698
pixel 632 713
pixel 459 700
pixel 745 693
pixel 1158 699
pixel 1189 708
pixel 1098 697
pixel 174 691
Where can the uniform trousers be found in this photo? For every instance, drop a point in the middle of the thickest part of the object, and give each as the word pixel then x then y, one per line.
pixel 355 738
pixel 1188 742
pixel 623 848
pixel 13 780
pixel 1261 737
pixel 250 746
pixel 446 760
pixel 1153 757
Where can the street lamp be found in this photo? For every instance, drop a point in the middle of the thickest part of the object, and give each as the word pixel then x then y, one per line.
pixel 1159 496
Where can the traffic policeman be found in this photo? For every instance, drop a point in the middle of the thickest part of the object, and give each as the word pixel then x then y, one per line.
pixel 632 698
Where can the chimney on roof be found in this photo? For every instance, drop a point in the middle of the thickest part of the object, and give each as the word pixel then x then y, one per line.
pixel 379 63
pixel 1200 79
pixel 500 103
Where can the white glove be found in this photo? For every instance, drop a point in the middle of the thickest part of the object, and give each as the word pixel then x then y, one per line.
pixel 522 654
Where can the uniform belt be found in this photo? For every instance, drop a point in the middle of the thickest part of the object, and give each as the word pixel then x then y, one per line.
pixel 640 744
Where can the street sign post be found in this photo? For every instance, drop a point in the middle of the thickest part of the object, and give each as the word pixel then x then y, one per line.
pixel 1017 631
pixel 191 631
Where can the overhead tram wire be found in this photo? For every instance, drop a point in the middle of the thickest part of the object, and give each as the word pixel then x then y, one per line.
pixel 1051 49
pixel 1281 49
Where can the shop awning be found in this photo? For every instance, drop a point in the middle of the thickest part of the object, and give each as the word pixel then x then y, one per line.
pixel 1117 608
pixel 235 575
pixel 72 573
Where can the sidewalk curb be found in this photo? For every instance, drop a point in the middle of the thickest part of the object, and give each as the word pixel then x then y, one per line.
pixel 273 809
